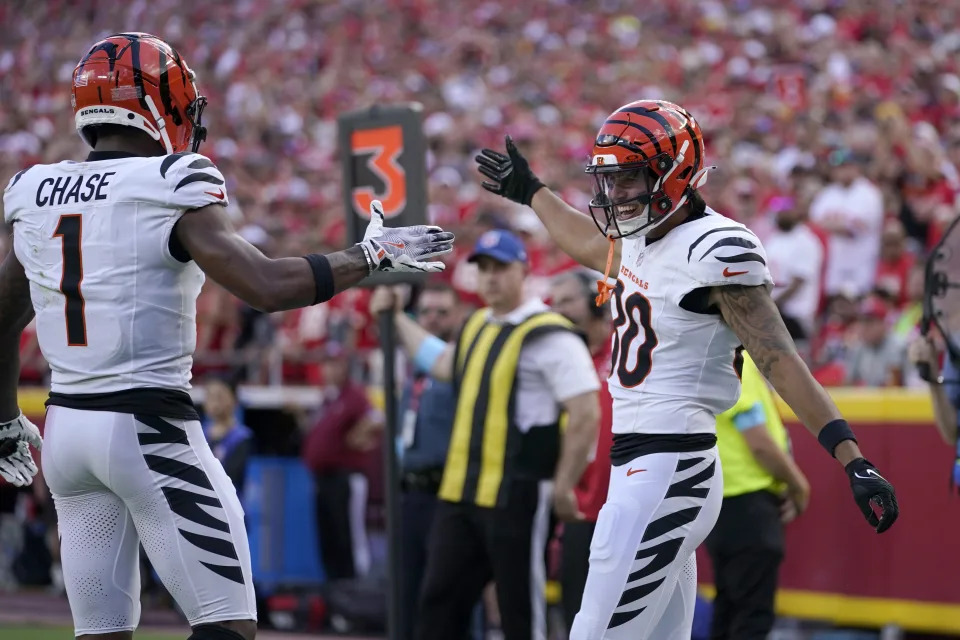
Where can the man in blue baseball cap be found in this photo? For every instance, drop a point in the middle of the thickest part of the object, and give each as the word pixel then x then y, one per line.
pixel 502 262
pixel 516 367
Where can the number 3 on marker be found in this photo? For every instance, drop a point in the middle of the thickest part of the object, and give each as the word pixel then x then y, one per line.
pixel 70 230
pixel 384 146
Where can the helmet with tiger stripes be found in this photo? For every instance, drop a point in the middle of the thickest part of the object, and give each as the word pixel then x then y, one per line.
pixel 647 159
pixel 138 80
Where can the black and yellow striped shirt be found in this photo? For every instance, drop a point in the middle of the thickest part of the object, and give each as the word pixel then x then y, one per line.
pixel 487 449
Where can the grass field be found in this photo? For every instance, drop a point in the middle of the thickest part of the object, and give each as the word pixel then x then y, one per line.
pixel 66 633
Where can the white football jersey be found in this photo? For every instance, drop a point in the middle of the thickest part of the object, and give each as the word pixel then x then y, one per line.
pixel 115 309
pixel 674 363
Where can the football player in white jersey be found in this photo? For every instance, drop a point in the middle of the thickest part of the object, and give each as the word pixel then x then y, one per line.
pixel 692 290
pixel 110 255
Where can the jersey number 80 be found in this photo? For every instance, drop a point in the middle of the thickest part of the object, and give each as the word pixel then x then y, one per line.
pixel 631 317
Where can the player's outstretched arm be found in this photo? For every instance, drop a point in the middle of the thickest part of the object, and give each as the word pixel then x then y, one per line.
pixel 288 283
pixel 263 283
pixel 17 433
pixel 16 311
pixel 753 316
pixel 575 233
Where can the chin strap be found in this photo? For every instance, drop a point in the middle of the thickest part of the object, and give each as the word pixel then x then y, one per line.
pixel 603 288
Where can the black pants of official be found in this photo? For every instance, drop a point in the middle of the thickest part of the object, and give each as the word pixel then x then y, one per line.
pixel 333 524
pixel 746 547
pixel 574 565
pixel 469 546
pixel 417 509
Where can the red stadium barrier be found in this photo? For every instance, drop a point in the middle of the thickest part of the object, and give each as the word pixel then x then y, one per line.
pixel 830 572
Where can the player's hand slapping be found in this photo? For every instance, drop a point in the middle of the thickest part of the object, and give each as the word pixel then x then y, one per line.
pixel 869 489
pixel 393 249
pixel 510 175
pixel 16 462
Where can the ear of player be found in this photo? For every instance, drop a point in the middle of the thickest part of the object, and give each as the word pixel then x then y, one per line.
pixel 16 462
pixel 869 489
pixel 404 248
pixel 511 175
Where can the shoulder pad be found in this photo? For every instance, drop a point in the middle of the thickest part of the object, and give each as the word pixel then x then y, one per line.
pixel 728 254
pixel 193 179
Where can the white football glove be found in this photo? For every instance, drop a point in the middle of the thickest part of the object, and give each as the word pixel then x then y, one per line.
pixel 16 462
pixel 18 468
pixel 404 248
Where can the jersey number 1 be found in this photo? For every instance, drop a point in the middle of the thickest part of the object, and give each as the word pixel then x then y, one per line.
pixel 69 230
pixel 632 317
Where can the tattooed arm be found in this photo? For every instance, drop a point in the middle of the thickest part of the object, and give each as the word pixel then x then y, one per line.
pixel 753 316
pixel 16 311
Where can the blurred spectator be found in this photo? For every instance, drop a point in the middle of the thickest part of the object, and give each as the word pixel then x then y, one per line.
pixel 217 329
pixel 880 358
pixel 850 210
pixel 795 258
pixel 11 534
pixel 893 269
pixel 836 337
pixel 34 369
pixel 426 411
pixel 907 325
pixel 230 440
pixel 336 450
pixel 775 86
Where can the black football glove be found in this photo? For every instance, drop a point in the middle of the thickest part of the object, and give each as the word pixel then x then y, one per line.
pixel 510 174
pixel 870 488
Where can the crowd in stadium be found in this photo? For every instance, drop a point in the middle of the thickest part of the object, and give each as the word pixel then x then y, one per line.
pixel 833 128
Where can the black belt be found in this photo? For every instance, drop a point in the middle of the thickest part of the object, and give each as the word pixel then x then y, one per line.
pixel 423 480
pixel 627 447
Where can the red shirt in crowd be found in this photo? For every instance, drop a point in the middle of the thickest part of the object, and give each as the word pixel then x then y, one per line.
pixel 325 447
pixel 892 277
pixel 592 489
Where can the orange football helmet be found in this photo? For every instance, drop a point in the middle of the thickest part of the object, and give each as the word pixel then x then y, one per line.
pixel 138 80
pixel 647 159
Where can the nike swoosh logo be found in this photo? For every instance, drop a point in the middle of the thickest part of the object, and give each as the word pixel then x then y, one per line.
pixel 869 472
pixel 398 245
pixel 729 274
pixel 630 472
pixel 216 195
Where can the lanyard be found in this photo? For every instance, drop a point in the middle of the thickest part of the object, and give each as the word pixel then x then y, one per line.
pixel 408 426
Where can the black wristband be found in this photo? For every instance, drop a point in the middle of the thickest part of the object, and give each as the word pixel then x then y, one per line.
pixel 835 432
pixel 322 276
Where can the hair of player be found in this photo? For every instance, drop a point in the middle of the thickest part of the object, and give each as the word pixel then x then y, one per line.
pixel 96 132
pixel 697 204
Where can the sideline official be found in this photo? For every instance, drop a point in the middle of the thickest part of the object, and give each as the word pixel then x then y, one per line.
pixel 572 294
pixel 515 366
pixel 763 489
pixel 426 419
